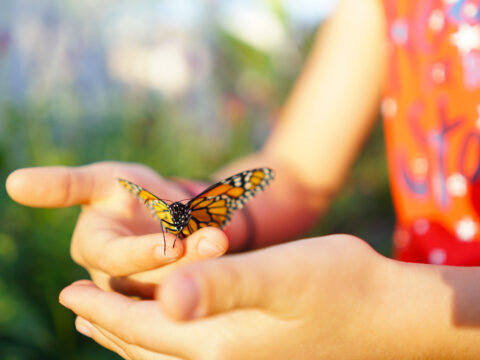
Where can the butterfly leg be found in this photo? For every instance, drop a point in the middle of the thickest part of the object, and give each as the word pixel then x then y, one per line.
pixel 164 240
pixel 163 230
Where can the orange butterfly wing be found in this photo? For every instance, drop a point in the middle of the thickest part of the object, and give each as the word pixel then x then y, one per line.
pixel 215 206
pixel 157 207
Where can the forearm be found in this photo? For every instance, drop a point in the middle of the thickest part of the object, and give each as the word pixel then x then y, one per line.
pixel 334 103
pixel 322 127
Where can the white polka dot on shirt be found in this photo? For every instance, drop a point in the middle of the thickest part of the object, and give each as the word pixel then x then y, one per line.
pixel 478 118
pixel 436 20
pixel 438 73
pixel 419 166
pixel 437 256
pixel 457 185
pixel 466 229
pixel 421 226
pixel 470 10
pixel 389 107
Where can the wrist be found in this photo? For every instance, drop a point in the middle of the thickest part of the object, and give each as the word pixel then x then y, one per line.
pixel 387 318
pixel 430 311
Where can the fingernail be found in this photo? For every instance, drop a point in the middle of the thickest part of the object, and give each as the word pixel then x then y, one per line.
pixel 209 248
pixel 83 328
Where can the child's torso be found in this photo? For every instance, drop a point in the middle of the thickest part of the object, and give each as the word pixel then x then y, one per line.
pixel 431 110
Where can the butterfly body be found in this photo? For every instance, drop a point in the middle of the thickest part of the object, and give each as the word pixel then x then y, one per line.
pixel 213 207
pixel 181 214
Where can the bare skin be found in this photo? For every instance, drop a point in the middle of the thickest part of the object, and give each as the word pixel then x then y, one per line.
pixel 116 239
pixel 322 298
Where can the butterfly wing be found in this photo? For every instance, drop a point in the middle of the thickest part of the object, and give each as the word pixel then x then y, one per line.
pixel 215 206
pixel 157 207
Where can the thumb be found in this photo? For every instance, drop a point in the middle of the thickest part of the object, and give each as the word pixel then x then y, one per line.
pixel 252 280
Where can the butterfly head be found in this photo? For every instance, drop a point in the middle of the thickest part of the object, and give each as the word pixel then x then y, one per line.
pixel 181 214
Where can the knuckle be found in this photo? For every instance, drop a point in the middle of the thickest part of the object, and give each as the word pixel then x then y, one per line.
pixel 230 280
pixel 131 353
pixel 130 170
pixel 107 164
pixel 353 242
pixel 118 257
pixel 67 186
pixel 76 257
pixel 75 252
pixel 106 261
pixel 231 272
pixel 107 265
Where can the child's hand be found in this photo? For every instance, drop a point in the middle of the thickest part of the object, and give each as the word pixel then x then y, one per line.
pixel 116 239
pixel 318 298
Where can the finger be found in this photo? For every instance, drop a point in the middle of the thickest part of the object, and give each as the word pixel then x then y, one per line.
pixel 61 186
pixel 135 322
pixel 203 244
pixel 101 243
pixel 88 329
pixel 52 186
pixel 114 343
pixel 254 280
pixel 132 254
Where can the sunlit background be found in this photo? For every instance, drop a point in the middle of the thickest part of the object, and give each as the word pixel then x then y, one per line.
pixel 183 86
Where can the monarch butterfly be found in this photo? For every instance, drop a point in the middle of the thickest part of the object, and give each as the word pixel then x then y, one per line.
pixel 213 207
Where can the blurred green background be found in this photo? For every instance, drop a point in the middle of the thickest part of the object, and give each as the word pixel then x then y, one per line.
pixel 183 87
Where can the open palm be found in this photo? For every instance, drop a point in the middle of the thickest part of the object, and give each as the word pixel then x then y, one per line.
pixel 116 239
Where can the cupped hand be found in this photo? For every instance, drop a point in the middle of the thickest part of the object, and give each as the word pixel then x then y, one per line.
pixel 116 239
pixel 311 299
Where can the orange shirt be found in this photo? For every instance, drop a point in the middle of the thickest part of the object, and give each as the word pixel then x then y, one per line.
pixel 431 110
